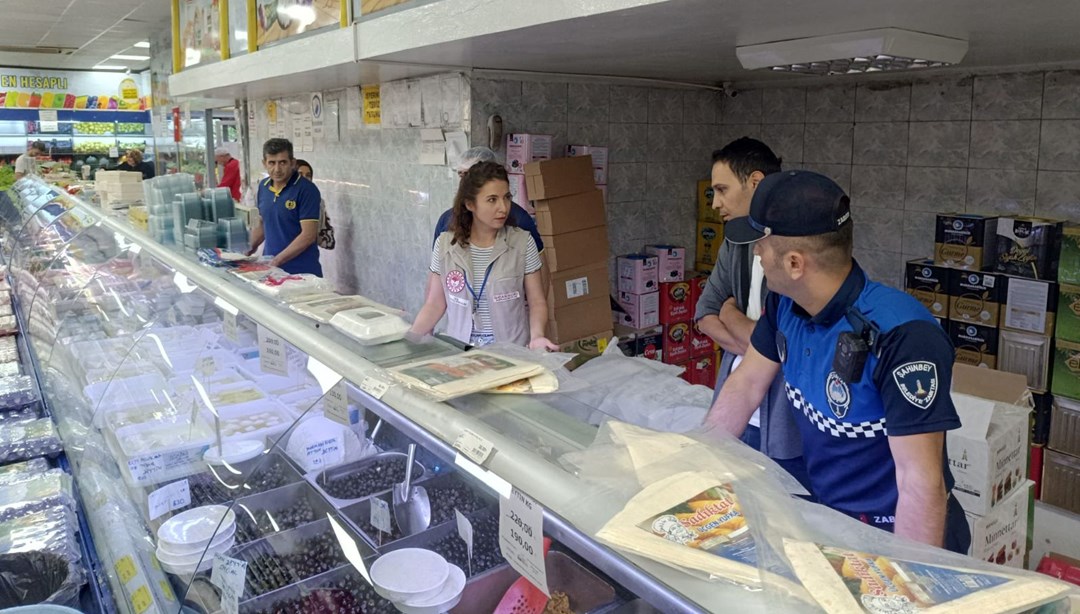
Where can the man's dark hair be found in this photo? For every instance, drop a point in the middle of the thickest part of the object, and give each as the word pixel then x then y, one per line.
pixel 746 155
pixel 40 146
pixel 276 146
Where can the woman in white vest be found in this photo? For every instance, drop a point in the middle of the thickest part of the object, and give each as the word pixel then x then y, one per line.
pixel 485 273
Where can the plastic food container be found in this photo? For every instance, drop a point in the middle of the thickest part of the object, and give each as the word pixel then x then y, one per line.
pixel 410 575
pixel 370 326
pixel 256 421
pixel 156 452
pixel 447 598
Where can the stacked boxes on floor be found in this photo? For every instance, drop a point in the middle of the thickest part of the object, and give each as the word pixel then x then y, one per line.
pixel 571 219
pixel 522 149
pixel 710 229
pixel 1061 459
pixel 599 162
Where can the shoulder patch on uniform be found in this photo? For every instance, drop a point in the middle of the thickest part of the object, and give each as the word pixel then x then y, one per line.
pixel 918 382
pixel 838 394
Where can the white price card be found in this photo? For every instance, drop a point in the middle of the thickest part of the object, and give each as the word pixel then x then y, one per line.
pixel 168 498
pixel 474 446
pixel 336 403
pixel 229 327
pixel 521 537
pixel 380 515
pixel 229 575
pixel 374 387
pixel 114 152
pixel 325 453
pixel 272 357
pixel 206 365
pixel 465 531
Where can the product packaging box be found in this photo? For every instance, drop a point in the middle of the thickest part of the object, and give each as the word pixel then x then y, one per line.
pixel 1061 481
pixel 1041 415
pixel 710 236
pixel 520 194
pixel 965 241
pixel 701 370
pixel 698 281
pixel 578 285
pixel 560 177
pixel 599 160
pixel 1061 567
pixel 975 345
pixel 1026 354
pixel 700 343
pixel 586 348
pixel 1001 536
pixel 522 149
pixel 1069 262
pixel 675 302
pixel 976 297
pixel 929 283
pixel 1068 313
pixel 706 213
pixel 1065 372
pixel 672 261
pixel 1035 468
pixel 570 213
pixel 575 249
pixel 580 320
pixel 1065 425
pixel 988 454
pixel 1029 305
pixel 1028 247
pixel 676 342
pixel 638 273
pixel 646 343
pixel 641 310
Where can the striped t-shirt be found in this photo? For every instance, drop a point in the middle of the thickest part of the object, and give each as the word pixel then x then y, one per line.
pixel 483 331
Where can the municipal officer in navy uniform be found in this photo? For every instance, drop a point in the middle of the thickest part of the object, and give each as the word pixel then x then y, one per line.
pixel 866 367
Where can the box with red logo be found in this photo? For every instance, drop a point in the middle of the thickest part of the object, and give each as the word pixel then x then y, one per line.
pixel 1061 567
pixel 521 149
pixel 700 343
pixel 672 261
pixel 697 286
pixel 646 343
pixel 676 342
pixel 675 302
pixel 639 310
pixel 702 370
pixel 637 273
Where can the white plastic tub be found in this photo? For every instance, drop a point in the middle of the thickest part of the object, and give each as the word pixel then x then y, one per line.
pixel 154 452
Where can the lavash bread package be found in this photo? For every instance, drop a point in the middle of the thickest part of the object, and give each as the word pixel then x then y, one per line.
pixel 693 504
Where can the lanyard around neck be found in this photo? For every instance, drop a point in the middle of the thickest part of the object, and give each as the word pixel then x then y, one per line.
pixel 478 295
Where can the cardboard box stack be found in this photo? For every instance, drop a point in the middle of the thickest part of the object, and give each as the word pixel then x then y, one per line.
pixel 118 189
pixel 599 161
pixel 1061 459
pixel 710 229
pixel 638 288
pixel 571 219
pixel 522 149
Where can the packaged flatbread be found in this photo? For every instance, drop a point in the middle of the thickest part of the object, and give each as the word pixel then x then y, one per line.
pixel 692 521
pixel 323 307
pixel 847 581
pixel 453 376
pixel 545 383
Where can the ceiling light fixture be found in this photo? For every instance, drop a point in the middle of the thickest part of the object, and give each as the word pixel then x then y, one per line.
pixel 142 44
pixel 109 67
pixel 882 49
pixel 141 58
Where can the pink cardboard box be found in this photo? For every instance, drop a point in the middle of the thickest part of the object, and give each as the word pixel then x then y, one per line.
pixel 520 194
pixel 672 261
pixel 642 310
pixel 522 149
pixel 599 160
pixel 638 274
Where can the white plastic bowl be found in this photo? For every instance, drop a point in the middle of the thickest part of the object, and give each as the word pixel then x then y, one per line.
pixel 223 536
pixel 444 601
pixel 197 526
pixel 179 561
pixel 409 574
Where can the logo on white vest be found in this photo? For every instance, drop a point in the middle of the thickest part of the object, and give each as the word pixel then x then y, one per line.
pixel 455 281
pixel 838 395
pixel 918 382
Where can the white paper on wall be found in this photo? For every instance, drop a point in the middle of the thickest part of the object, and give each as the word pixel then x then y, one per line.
pixel 432 147
pixel 414 103
pixel 453 109
pixel 332 123
pixel 456 144
pixel 431 99
pixel 353 110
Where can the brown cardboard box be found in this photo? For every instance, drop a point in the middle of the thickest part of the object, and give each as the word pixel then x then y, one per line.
pixel 976 297
pixel 929 284
pixel 570 213
pixel 559 177
pixel 586 348
pixel 580 320
pixel 706 213
pixel 578 285
pixel 576 249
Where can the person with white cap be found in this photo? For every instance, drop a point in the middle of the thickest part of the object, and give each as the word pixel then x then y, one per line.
pixel 230 171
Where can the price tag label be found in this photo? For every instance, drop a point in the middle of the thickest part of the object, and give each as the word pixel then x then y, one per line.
pixel 465 531
pixel 166 590
pixel 272 358
pixel 229 327
pixel 474 446
pixel 336 403
pixel 168 498
pixel 229 575
pixel 325 453
pixel 374 387
pixel 521 537
pixel 206 365
pixel 141 599
pixel 114 152
pixel 125 569
pixel 380 515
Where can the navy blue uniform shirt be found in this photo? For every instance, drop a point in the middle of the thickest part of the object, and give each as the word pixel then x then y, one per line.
pixel 282 213
pixel 519 217
pixel 903 390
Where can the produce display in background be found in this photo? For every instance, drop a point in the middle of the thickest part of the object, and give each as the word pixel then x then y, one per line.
pixel 7 176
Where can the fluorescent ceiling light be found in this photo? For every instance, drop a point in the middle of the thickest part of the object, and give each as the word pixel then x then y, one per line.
pixel 142 44
pixel 854 52
pixel 109 67
pixel 141 58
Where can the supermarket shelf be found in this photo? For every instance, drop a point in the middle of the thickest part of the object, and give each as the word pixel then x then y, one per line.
pixel 77 115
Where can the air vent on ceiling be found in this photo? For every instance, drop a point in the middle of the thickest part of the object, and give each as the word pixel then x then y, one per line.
pixel 41 50
pixel 883 49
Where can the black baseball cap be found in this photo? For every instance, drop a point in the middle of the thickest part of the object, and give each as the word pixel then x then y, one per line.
pixel 792 204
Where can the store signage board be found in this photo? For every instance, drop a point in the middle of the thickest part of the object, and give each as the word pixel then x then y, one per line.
pixel 475 446
pixel 229 575
pixel 168 498
pixel 272 357
pixel 521 537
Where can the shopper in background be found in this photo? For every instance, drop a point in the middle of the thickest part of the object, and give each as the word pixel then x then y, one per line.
pixel 484 269
pixel 289 211
pixel 519 216
pixel 734 295
pixel 133 163
pixel 230 171
pixel 866 367
pixel 26 164
pixel 326 238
